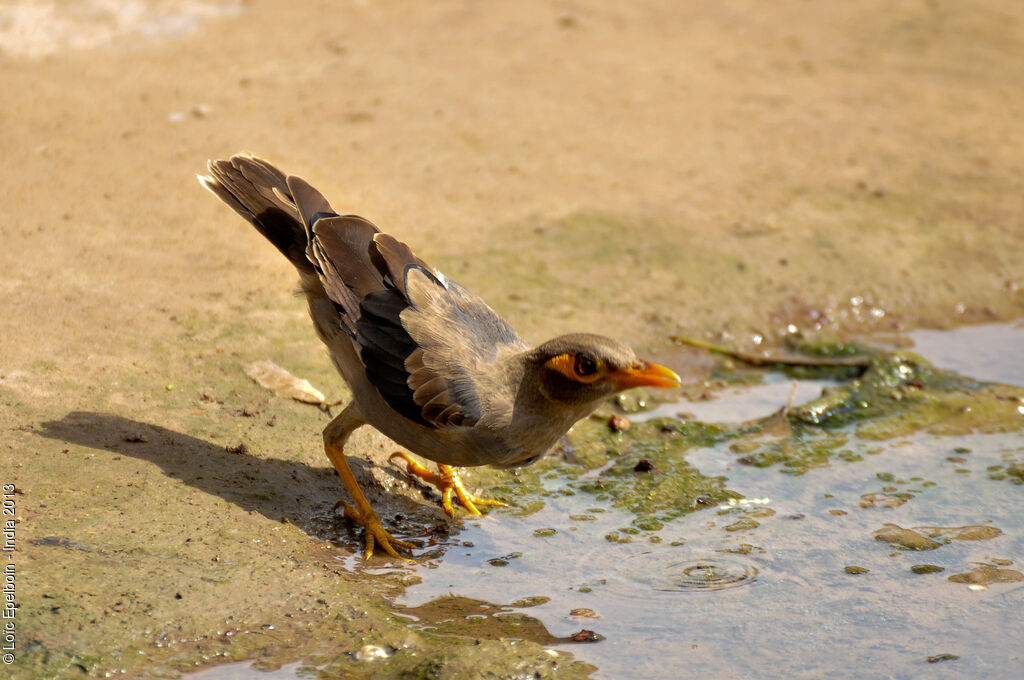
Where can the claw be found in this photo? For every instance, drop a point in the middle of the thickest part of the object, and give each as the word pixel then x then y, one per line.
pixel 376 533
pixel 449 483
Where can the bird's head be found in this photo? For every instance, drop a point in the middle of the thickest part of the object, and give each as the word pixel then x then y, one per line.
pixel 583 369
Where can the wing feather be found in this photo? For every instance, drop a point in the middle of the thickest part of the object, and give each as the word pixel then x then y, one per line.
pixel 422 339
pixel 459 339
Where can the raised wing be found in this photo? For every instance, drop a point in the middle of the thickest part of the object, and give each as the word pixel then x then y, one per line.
pixel 459 339
pixel 428 345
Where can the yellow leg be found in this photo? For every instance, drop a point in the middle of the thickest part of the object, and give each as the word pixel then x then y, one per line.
pixel 335 435
pixel 448 482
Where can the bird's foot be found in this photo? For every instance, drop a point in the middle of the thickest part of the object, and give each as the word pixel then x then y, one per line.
pixel 449 483
pixel 376 534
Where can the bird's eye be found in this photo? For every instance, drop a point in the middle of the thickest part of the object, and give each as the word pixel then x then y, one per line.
pixel 584 366
pixel 578 368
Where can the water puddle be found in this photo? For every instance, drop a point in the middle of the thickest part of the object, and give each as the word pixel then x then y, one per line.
pixel 992 352
pixel 793 575
pixel 764 599
pixel 666 572
pixel 847 539
pixel 739 404
pixel 243 670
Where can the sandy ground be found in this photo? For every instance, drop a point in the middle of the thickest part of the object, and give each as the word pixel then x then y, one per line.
pixel 703 168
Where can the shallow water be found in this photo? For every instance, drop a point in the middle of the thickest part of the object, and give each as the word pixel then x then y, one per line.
pixel 989 352
pixel 786 606
pixel 801 601
pixel 786 580
pixel 738 404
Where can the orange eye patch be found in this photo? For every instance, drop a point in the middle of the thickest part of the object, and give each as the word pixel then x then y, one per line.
pixel 581 369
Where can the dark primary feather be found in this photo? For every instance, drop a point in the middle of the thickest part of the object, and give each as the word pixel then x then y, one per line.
pixel 396 258
pixel 308 201
pixel 385 346
pixel 340 246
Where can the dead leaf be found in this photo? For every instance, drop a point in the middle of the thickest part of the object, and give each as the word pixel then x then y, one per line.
pixel 284 384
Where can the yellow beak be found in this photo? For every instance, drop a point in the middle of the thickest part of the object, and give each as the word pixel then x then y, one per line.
pixel 645 374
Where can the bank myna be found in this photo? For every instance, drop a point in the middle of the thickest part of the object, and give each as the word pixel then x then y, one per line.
pixel 430 365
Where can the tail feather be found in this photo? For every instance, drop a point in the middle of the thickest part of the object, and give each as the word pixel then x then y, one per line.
pixel 344 258
pixel 259 192
pixel 310 203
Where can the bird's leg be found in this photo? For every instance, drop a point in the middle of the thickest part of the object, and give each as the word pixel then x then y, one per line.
pixel 335 435
pixel 448 482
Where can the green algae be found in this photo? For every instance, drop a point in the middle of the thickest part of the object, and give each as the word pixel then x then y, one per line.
pixel 972 532
pixel 898 394
pixel 905 539
pixel 926 569
pixel 605 465
pixel 901 393
pixel 890 381
pixel 984 574
pixel 745 524
pixel 1013 468
pixel 929 538
pixel 805 450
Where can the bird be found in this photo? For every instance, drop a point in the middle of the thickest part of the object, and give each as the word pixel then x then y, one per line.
pixel 430 365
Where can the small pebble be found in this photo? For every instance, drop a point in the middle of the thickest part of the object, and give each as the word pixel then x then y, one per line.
pixel 371 653
pixel 585 613
pixel 618 423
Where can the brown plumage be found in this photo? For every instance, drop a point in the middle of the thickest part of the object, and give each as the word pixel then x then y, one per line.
pixel 430 365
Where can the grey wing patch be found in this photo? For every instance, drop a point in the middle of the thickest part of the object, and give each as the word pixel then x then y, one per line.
pixel 422 375
pixel 432 393
pixel 458 337
pixel 395 366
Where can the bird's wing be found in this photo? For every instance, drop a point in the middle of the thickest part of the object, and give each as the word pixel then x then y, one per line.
pixel 427 344
pixel 455 368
